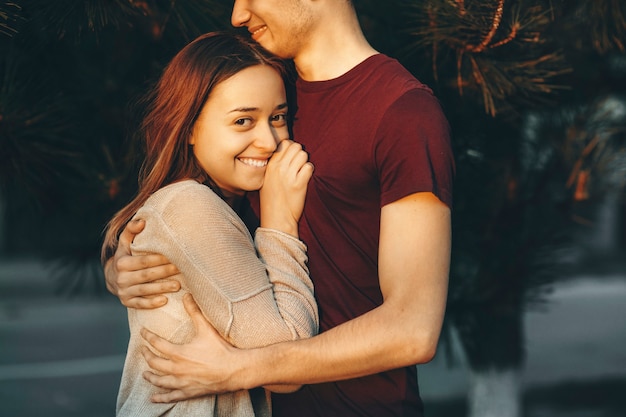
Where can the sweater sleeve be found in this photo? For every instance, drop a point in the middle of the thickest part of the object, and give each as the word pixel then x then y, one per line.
pixel 253 299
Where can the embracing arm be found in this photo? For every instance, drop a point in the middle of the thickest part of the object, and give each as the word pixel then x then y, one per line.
pixel 132 278
pixel 414 257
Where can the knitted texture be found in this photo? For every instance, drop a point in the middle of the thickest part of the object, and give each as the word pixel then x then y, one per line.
pixel 254 292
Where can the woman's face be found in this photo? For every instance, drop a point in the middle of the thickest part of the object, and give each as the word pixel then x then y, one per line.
pixel 239 128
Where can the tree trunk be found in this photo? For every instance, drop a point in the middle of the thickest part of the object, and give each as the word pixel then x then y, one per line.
pixel 494 393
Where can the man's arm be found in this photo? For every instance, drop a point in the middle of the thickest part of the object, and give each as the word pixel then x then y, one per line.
pixel 414 259
pixel 130 278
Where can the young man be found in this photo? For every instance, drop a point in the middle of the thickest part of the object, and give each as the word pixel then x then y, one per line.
pixel 376 223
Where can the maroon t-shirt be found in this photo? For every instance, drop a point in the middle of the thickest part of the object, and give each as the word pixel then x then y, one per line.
pixel 374 135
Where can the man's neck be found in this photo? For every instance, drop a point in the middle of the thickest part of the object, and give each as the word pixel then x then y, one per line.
pixel 333 52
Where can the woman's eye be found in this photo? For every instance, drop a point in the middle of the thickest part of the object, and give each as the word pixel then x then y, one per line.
pixel 243 122
pixel 279 118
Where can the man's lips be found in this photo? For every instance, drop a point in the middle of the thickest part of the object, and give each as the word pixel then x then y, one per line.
pixel 257 31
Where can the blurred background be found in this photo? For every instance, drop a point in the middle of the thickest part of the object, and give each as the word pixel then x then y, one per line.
pixel 535 92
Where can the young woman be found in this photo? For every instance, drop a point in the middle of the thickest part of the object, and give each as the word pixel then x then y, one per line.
pixel 216 128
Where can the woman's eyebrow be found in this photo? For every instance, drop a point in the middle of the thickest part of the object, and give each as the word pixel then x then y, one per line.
pixel 254 109
pixel 244 110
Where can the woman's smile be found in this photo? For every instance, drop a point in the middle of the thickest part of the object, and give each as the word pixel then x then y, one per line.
pixel 261 163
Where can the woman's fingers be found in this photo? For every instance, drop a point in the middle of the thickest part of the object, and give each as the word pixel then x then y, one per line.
pixel 290 155
pixel 305 173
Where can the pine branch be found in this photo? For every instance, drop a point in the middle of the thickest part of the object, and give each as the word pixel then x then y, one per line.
pixel 9 18
pixel 595 148
pixel 605 22
pixel 500 49
pixel 37 135
pixel 68 19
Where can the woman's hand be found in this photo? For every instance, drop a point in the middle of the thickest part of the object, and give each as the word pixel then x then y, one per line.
pixel 284 189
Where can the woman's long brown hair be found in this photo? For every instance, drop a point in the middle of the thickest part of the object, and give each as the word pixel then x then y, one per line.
pixel 174 106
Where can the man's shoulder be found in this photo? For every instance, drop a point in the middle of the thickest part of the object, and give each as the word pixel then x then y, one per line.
pixel 388 74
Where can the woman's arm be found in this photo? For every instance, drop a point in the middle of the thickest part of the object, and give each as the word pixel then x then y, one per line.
pixel 140 281
pixel 213 250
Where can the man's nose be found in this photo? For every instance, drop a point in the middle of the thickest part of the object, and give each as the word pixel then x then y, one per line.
pixel 240 15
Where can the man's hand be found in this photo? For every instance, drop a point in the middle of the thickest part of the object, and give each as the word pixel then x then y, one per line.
pixel 183 369
pixel 131 278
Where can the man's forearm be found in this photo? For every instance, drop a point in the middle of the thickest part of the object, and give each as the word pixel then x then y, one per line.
pixel 377 341
pixel 413 272
pixel 404 330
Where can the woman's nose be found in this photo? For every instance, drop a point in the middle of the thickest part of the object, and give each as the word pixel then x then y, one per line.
pixel 267 138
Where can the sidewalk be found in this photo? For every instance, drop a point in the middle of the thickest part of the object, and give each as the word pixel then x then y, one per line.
pixel 576 360
pixel 63 357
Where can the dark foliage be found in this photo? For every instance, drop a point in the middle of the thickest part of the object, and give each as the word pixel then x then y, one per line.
pixel 70 75
pixel 533 90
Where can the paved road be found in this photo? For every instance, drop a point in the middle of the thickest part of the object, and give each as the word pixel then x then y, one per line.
pixel 63 357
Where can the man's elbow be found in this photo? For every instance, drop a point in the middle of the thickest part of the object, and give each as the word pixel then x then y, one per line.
pixel 428 354
pixel 422 348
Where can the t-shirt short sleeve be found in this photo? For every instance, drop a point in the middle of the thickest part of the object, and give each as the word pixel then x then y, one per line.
pixel 413 152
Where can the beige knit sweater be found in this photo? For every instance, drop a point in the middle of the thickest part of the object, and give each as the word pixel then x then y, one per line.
pixel 255 293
